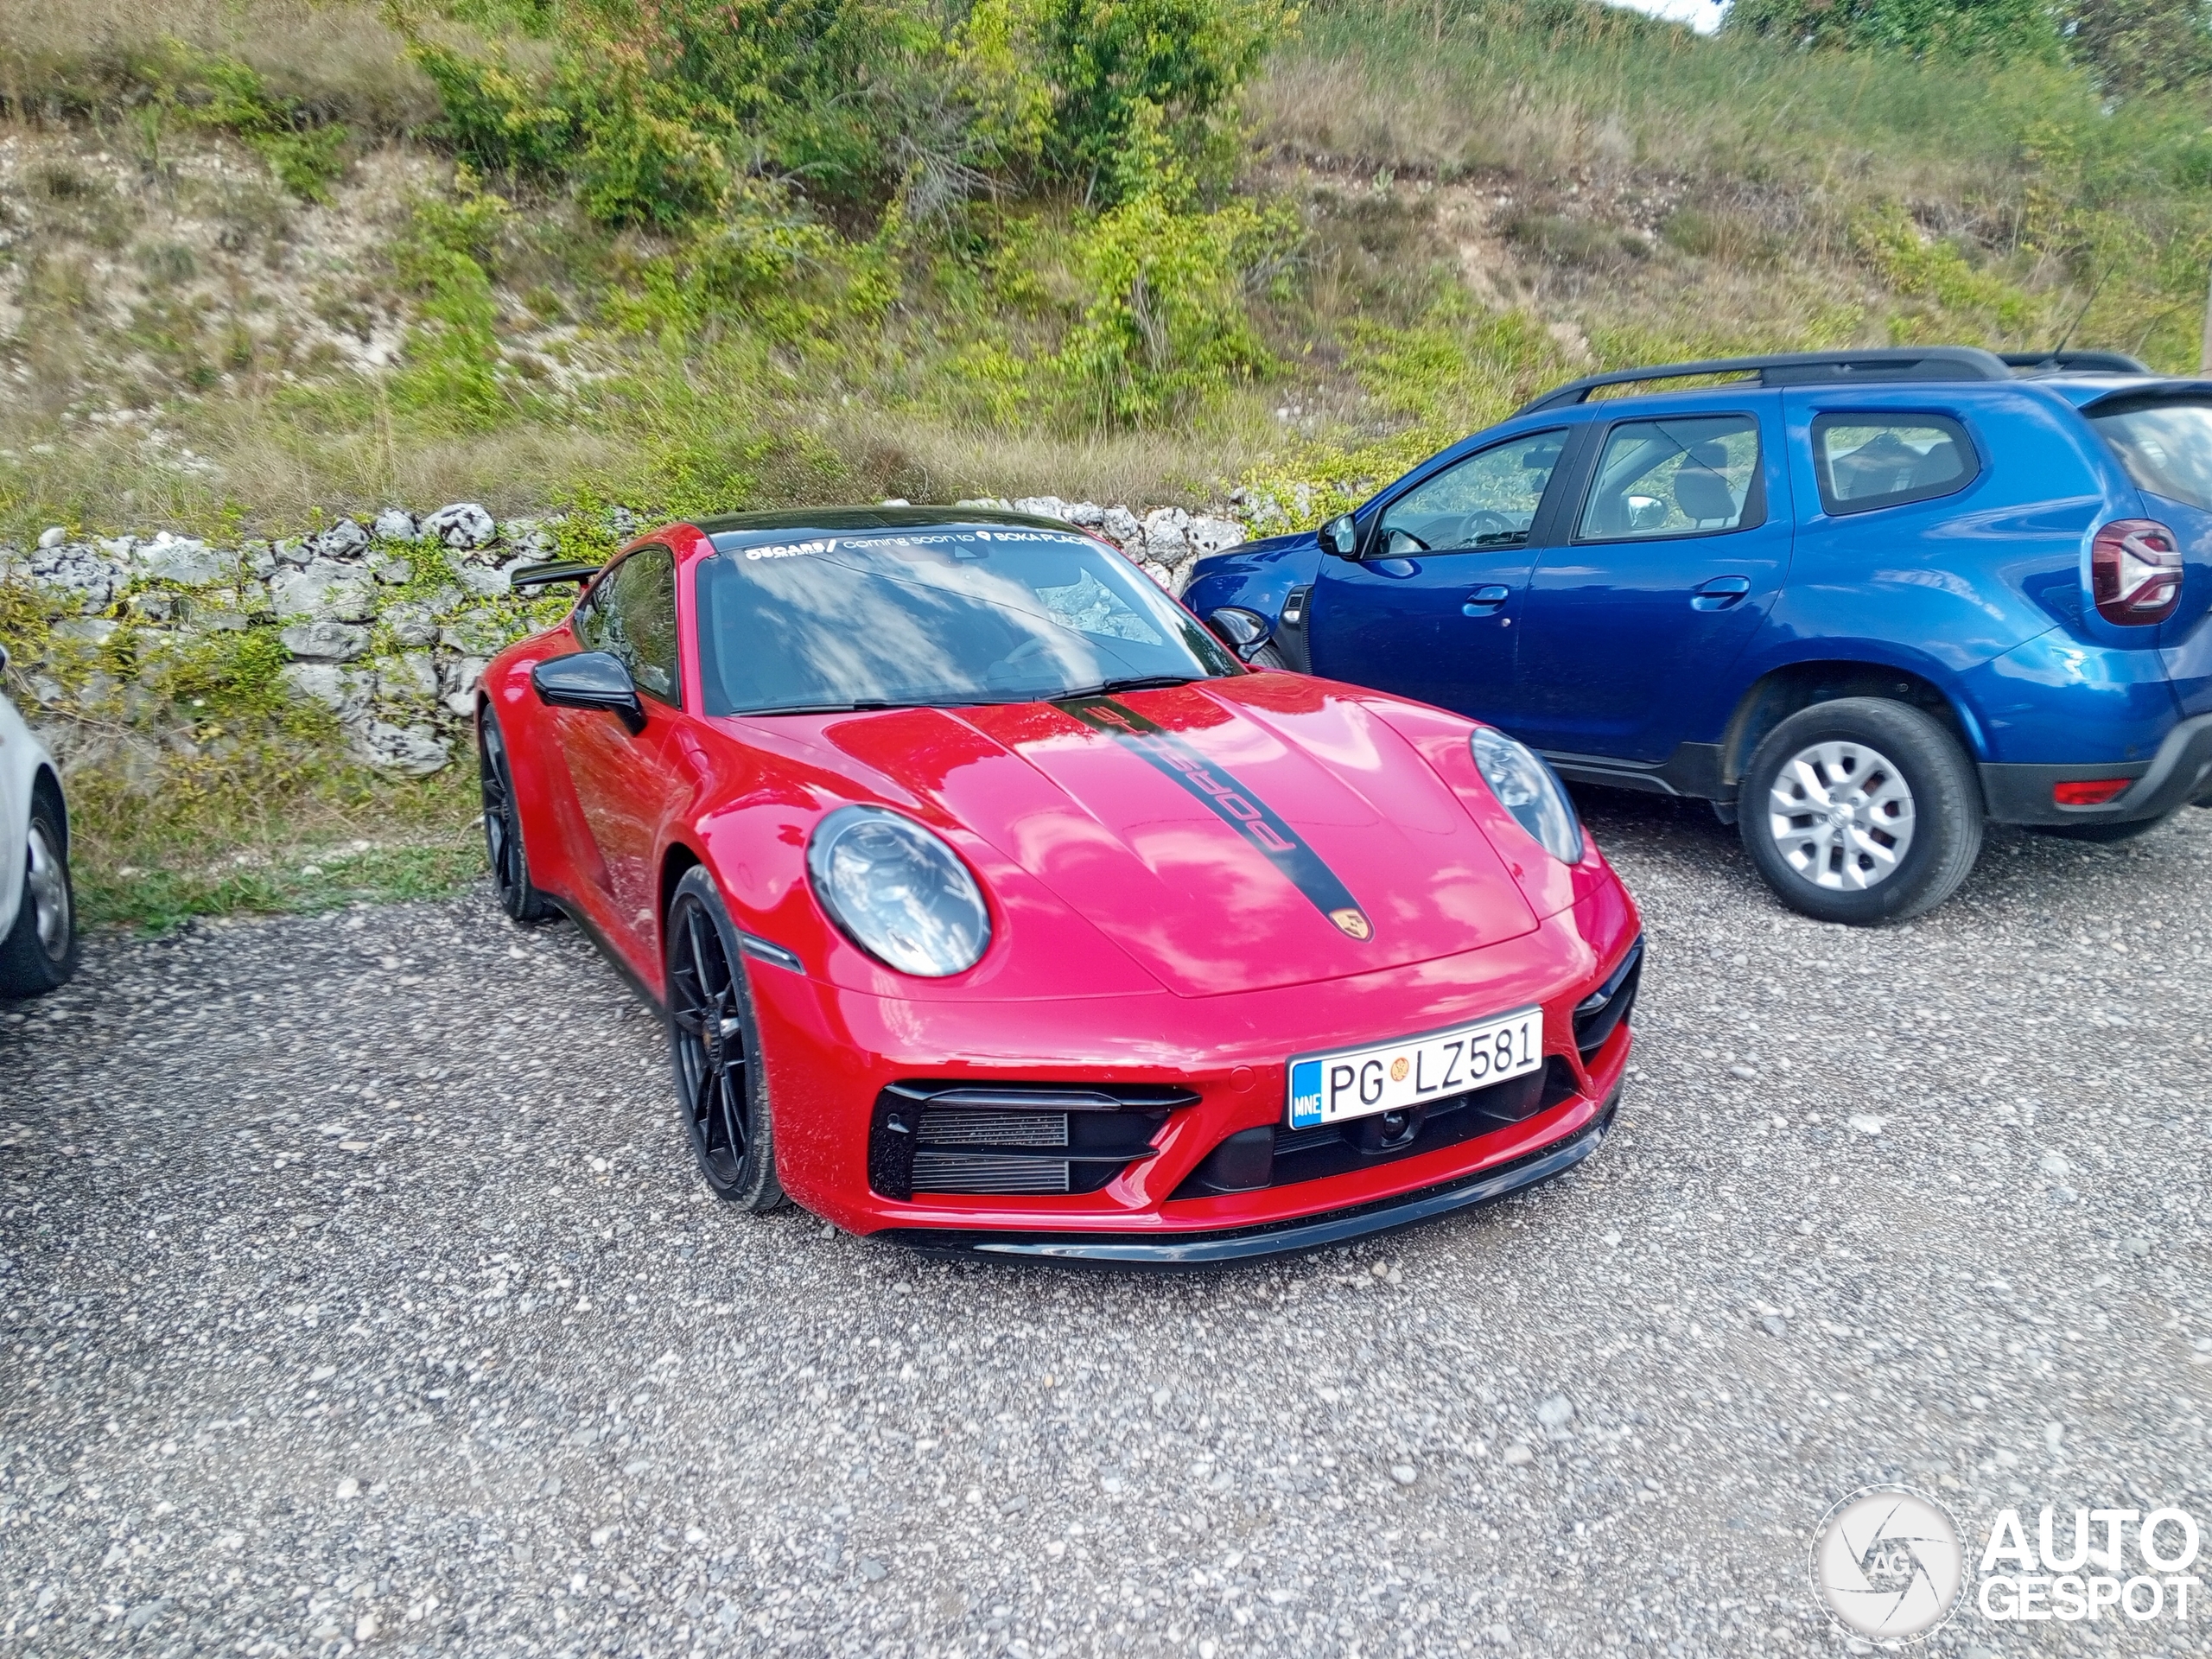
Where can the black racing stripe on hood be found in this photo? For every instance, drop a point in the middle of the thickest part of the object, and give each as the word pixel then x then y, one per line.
pixel 1257 823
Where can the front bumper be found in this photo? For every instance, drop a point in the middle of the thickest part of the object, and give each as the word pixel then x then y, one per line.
pixel 2179 774
pixel 840 1062
pixel 1207 1250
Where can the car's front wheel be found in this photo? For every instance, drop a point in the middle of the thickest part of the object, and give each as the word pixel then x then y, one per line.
pixel 40 953
pixel 715 1042
pixel 1861 811
pixel 503 848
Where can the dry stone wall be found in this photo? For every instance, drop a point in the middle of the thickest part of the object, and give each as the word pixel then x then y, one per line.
pixel 386 621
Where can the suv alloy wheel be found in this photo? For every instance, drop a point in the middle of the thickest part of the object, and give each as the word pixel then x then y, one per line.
pixel 1861 811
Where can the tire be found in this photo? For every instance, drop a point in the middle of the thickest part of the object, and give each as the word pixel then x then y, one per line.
pixel 713 1043
pixel 2104 834
pixel 1899 817
pixel 503 848
pixel 40 953
pixel 1268 655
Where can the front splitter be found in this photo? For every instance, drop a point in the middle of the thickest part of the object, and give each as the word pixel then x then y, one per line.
pixel 1276 1239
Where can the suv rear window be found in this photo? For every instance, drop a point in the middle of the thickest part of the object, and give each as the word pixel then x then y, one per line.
pixel 1879 460
pixel 2166 448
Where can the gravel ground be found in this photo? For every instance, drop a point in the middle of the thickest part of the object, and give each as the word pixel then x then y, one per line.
pixel 357 1294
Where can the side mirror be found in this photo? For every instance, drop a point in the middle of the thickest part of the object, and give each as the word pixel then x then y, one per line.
pixel 1646 512
pixel 1340 537
pixel 590 679
pixel 1243 632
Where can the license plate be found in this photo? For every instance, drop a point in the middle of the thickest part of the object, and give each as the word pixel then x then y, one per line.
pixel 1388 1077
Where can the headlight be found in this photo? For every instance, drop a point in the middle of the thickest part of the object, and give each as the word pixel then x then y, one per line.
pixel 1528 789
pixel 899 892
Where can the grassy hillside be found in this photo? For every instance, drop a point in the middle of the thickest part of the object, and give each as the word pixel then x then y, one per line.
pixel 236 230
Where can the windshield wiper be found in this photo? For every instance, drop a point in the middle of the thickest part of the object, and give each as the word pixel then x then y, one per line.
pixel 1131 682
pixel 864 705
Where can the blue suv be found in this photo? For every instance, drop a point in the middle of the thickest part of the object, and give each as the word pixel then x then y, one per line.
pixel 1862 602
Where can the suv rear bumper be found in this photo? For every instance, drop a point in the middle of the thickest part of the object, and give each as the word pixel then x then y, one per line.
pixel 2179 774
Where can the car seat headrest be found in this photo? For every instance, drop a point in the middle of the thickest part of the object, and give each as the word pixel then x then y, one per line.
pixel 1703 494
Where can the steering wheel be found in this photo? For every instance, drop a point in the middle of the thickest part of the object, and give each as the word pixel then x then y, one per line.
pixel 1400 542
pixel 1484 522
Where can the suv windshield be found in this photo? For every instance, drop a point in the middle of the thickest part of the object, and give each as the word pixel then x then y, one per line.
pixel 2166 448
pixel 959 614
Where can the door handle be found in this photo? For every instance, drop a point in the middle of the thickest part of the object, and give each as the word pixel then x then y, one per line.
pixel 1720 593
pixel 1487 600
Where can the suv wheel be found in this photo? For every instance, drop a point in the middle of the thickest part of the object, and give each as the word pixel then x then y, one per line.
pixel 1861 811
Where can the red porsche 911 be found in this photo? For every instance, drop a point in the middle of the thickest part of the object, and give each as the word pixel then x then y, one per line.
pixel 995 905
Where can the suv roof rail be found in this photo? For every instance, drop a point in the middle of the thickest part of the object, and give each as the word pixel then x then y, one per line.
pixel 1801 368
pixel 2074 363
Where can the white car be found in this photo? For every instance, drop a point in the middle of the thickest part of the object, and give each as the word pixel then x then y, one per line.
pixel 38 923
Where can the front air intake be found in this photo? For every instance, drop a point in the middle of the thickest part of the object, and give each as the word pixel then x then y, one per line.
pixel 1012 1138
pixel 1600 1014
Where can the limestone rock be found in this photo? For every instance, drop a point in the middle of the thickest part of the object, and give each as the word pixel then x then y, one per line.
pixel 260 559
pixel 485 581
pixel 1123 528
pixel 343 540
pixel 529 536
pixel 462 677
pixel 181 559
pixel 325 591
pixel 94 630
pixel 51 535
pixel 1088 515
pixel 411 624
pixel 464 527
pixel 394 568
pixel 415 750
pixel 1165 539
pixel 1207 535
pixel 292 550
pixel 394 525
pixel 74 569
pixel 345 691
pixel 411 677
pixel 325 642
pixel 1044 506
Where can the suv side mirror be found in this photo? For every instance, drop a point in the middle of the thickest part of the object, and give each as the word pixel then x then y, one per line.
pixel 1340 537
pixel 590 679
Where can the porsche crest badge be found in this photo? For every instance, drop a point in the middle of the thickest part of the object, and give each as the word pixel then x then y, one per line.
pixel 1354 923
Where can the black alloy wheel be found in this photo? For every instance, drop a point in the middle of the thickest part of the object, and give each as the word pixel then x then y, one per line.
pixel 502 830
pixel 714 1044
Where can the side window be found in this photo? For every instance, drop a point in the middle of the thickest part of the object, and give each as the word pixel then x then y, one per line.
pixel 1880 460
pixel 631 614
pixel 1690 476
pixel 1489 499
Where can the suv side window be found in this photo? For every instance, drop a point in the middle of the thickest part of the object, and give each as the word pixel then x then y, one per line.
pixel 1690 475
pixel 1883 459
pixel 631 614
pixel 1490 500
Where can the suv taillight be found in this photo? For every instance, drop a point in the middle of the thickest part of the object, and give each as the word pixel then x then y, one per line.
pixel 2135 572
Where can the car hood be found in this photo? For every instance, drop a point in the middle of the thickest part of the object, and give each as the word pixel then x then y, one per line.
pixel 1229 836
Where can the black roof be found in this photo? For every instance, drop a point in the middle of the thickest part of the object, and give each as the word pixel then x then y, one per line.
pixel 870 518
pixel 1873 365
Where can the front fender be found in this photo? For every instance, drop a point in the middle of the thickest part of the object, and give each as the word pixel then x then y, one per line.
pixel 1258 576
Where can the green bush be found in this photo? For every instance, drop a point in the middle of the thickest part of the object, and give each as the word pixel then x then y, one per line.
pixel 1167 324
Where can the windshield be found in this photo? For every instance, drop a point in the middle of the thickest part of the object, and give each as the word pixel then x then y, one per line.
pixel 2166 448
pixel 933 616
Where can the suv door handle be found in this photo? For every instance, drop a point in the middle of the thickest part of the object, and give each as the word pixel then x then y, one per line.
pixel 1720 593
pixel 1485 600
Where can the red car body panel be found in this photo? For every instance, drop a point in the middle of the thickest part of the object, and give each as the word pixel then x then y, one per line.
pixel 1137 936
